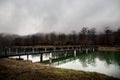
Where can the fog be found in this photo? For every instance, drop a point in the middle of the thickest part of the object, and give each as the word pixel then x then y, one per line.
pixel 32 16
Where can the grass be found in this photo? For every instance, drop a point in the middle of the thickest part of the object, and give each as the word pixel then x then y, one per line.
pixel 12 69
pixel 107 48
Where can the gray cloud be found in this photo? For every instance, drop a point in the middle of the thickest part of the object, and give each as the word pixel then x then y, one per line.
pixel 32 16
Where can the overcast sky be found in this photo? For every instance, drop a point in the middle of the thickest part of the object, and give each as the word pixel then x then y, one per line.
pixel 31 16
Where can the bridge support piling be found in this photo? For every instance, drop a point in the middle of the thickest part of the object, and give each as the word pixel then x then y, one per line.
pixel 19 57
pixel 67 48
pixel 45 49
pixel 66 53
pixel 24 50
pixel 61 49
pixel 93 50
pixel 54 49
pixel 41 57
pixel 27 57
pixel 9 50
pixel 33 50
pixel 86 50
pixel 5 52
pixel 16 50
pixel 50 58
pixel 74 53
pixel 79 50
pixel 72 48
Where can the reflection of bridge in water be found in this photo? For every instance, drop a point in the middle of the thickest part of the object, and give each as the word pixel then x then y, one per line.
pixel 59 61
pixel 29 50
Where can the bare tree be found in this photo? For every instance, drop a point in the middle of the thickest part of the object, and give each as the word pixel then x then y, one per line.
pixel 84 37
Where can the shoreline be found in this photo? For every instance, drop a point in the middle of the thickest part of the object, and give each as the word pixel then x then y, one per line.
pixel 108 48
pixel 12 69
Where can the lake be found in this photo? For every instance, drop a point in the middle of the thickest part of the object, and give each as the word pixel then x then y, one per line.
pixel 102 62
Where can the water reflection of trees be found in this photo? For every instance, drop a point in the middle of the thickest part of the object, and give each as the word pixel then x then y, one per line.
pixel 87 59
pixel 108 57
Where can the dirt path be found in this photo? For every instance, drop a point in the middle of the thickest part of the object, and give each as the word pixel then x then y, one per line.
pixel 11 69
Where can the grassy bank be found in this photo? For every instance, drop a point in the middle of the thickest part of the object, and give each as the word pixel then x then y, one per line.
pixel 108 48
pixel 11 69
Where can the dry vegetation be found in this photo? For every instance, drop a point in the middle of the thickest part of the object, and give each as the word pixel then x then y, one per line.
pixel 11 69
pixel 102 48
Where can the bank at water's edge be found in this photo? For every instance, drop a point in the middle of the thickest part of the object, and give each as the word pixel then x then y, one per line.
pixel 108 48
pixel 12 69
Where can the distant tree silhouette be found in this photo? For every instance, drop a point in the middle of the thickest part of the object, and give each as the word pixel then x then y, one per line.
pixel 86 36
pixel 109 39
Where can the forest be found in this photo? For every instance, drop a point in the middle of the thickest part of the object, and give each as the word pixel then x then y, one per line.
pixel 84 37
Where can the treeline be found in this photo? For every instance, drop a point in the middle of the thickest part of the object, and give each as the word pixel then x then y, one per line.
pixel 85 37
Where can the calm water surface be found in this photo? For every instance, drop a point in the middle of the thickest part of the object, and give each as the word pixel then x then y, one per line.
pixel 103 62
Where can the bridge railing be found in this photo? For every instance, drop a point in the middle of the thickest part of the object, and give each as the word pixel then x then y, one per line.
pixel 6 51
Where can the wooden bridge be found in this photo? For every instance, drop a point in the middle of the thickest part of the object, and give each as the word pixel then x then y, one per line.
pixel 29 50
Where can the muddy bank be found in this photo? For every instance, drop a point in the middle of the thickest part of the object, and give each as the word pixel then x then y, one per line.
pixel 11 69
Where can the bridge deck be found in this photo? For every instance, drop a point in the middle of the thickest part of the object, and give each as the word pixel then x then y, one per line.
pixel 28 50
